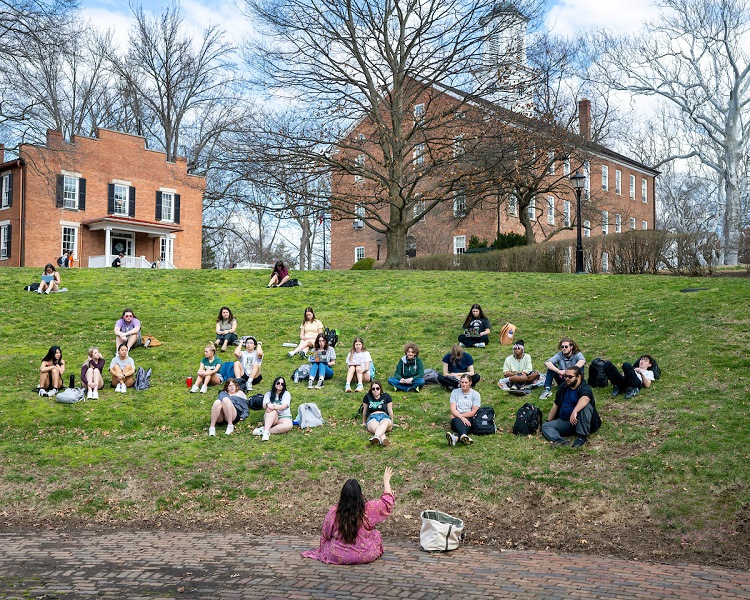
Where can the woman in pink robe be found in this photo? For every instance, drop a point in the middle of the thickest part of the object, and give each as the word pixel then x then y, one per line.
pixel 349 536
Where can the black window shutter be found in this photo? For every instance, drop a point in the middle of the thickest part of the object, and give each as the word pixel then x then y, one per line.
pixel 10 238
pixel 111 199
pixel 177 208
pixel 131 203
pixel 81 194
pixel 158 206
pixel 59 191
pixel 10 189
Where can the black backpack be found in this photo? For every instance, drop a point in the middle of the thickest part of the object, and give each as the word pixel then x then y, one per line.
pixel 332 335
pixel 484 421
pixel 597 376
pixel 60 261
pixel 528 420
pixel 255 402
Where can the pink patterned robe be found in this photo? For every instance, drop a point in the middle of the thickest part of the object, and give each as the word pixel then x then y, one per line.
pixel 366 548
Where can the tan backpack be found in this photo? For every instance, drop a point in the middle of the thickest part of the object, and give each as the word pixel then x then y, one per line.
pixel 507 334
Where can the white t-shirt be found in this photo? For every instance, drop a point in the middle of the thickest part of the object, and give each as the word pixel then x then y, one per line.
pixel 122 363
pixel 248 359
pixel 358 358
pixel 286 398
pixel 645 375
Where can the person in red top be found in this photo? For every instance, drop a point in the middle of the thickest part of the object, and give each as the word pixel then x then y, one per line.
pixel 279 276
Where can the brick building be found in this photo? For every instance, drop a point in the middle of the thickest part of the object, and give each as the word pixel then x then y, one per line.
pixel 619 196
pixel 99 197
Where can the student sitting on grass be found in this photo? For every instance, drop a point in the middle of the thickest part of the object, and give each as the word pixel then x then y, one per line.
pixel 569 356
pixel 51 372
pixel 409 375
pixel 208 371
pixel 50 280
pixel 91 373
pixel 476 329
pixel 122 369
pixel 465 403
pixel 279 276
pixel 230 408
pixel 358 363
pixel 308 331
pixel 517 369
pixel 247 368
pixel 226 326
pixel 278 415
pixel 322 358
pixel 349 536
pixel 457 363
pixel 377 413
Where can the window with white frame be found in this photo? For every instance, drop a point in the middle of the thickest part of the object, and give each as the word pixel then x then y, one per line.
pixel 419 207
pixel 644 190
pixel 550 210
pixel 121 199
pixel 618 223
pixel 551 162
pixel 459 244
pixel 70 192
pixel 566 166
pixel 5 198
pixel 359 162
pixel 359 253
pixel 459 203
pixel 644 225
pixel 418 112
pixel 167 206
pixel 419 155
pixel 512 206
pixel 5 240
pixel 618 182
pixel 166 250
pixel 70 240
pixel 531 210
pixel 605 177
pixel 605 222
pixel 632 223
pixel 458 146
pixel 632 187
pixel 359 211
pixel 566 212
pixel 605 262
pixel 587 228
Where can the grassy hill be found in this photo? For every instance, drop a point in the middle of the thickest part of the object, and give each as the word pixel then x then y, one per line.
pixel 666 478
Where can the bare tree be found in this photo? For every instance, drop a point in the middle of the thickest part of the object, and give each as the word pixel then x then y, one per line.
pixel 695 58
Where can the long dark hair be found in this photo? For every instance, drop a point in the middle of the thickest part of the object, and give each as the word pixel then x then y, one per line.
pixel 279 265
pixel 469 317
pixel 304 315
pixel 573 346
pixel 50 356
pixel 274 393
pixel 231 316
pixel 317 345
pixel 350 511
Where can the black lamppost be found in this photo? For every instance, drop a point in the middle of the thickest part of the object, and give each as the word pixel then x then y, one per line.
pixel 379 242
pixel 578 182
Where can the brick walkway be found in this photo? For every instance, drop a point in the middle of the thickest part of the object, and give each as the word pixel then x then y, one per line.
pixel 199 565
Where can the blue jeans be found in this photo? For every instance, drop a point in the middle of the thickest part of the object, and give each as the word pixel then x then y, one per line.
pixel 318 369
pixel 406 387
pixel 560 428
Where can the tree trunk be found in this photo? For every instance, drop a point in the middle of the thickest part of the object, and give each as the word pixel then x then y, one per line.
pixel 396 246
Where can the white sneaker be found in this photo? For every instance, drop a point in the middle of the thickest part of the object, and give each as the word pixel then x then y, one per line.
pixel 194 389
pixel 452 438
pixel 480 345
pixel 320 384
pixel 359 388
pixel 89 395
pixel 266 436
pixel 258 431
pixel 290 353
pixel 230 429
pixel 545 394
pixel 461 344
pixel 52 392
pixel 123 388
pixel 348 388
pixel 95 394
pixel 204 388
pixel 249 386
pixel 41 391
pixel 310 384
pixel 212 431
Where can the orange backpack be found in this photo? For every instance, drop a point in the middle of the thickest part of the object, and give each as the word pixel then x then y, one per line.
pixel 507 333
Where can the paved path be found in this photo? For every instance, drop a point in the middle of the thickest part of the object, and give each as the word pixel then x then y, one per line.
pixel 198 565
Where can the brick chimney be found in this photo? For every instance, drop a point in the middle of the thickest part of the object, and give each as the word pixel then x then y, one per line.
pixel 54 138
pixel 584 118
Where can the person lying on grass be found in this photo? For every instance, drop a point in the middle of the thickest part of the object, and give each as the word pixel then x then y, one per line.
pixel 633 378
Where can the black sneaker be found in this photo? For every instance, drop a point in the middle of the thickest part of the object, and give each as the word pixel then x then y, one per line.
pixel 465 439
pixel 615 391
pixel 580 441
pixel 560 443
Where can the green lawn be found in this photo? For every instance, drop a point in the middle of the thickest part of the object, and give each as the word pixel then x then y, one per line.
pixel 669 467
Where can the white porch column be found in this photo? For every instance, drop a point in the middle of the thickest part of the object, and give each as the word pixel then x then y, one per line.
pixel 107 245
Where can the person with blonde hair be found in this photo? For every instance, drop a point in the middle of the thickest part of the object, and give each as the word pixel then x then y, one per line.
pixel 91 373
pixel 208 371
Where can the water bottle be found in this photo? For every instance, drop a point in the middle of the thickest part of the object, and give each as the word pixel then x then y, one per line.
pixel 296 376
pixel 72 381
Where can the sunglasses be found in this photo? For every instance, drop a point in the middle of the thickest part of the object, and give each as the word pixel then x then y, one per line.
pixel 564 346
pixel 279 383
pixel 570 376
pixel 375 388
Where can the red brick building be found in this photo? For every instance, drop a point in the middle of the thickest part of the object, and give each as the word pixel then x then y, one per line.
pixel 619 197
pixel 99 197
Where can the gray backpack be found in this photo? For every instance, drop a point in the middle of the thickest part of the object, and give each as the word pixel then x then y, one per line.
pixel 308 415
pixel 142 379
pixel 70 396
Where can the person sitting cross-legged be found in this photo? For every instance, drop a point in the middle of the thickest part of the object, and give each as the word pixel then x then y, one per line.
pixel 573 411
pixel 409 375
pixel 465 403
pixel 517 369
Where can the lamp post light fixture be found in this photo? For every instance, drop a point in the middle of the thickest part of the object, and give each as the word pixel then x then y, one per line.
pixel 379 242
pixel 578 182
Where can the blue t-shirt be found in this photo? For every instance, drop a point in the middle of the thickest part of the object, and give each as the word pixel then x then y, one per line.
pixel 462 366
pixel 567 398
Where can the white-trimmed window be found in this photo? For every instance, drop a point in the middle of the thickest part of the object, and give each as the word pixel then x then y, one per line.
pixel 618 182
pixel 459 244
pixel 551 161
pixel 166 250
pixel 359 162
pixel 512 206
pixel 644 190
pixel 418 209
pixel 644 225
pixel 632 187
pixel 550 210
pixel 587 228
pixel 418 112
pixel 531 210
pixel 618 223
pixel 566 166
pixel 566 212
pixel 167 206
pixel 359 253
pixel 122 196
pixel 70 192
pixel 419 155
pixel 605 262
pixel 5 240
pixel 632 223
pixel 70 240
pixel 359 216
pixel 605 178
pixel 605 222
pixel 5 195
pixel 459 203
